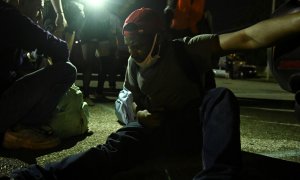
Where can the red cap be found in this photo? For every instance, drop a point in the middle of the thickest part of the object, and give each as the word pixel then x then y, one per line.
pixel 142 21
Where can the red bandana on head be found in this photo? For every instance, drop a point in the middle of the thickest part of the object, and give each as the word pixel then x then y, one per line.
pixel 142 21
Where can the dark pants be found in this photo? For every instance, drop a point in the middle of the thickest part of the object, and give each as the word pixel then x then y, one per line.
pixel 107 72
pixel 218 132
pixel 88 52
pixel 32 98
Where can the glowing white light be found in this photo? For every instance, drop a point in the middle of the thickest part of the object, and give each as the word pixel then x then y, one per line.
pixel 95 3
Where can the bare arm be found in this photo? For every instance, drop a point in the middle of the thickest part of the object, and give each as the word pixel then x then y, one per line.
pixel 57 6
pixel 60 21
pixel 263 34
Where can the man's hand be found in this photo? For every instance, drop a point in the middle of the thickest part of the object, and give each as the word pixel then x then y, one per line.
pixel 150 120
pixel 60 21
pixel 60 24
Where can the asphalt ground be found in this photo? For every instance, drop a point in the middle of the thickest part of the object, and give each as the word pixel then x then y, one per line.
pixel 270 138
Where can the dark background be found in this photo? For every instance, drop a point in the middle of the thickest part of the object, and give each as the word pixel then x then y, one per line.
pixel 234 14
pixel 227 15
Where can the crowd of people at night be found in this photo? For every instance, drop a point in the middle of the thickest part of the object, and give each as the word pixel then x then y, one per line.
pixel 167 99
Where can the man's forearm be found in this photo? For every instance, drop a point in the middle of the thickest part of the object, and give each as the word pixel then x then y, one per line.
pixel 263 34
pixel 268 32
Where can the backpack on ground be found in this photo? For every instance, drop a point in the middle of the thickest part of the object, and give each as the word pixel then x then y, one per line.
pixel 123 107
pixel 71 116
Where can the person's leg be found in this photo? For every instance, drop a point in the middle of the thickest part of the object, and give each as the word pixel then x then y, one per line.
pixel 122 150
pixel 221 151
pixel 33 98
pixel 111 65
pixel 102 71
pixel 88 52
pixel 105 71
pixel 112 73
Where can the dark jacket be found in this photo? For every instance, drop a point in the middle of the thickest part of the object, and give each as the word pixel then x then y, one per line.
pixel 19 33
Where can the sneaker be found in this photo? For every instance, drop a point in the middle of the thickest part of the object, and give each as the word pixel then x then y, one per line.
pixel 89 101
pixel 29 138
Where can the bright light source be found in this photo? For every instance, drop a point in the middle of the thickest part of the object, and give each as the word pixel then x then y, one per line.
pixel 95 3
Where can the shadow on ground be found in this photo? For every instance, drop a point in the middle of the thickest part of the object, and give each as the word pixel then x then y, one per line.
pixel 256 167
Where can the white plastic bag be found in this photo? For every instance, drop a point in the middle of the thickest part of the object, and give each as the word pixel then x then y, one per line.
pixel 123 107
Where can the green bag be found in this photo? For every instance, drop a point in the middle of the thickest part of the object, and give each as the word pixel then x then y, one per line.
pixel 71 116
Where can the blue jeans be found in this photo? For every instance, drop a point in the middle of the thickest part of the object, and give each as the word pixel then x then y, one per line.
pixel 32 98
pixel 214 126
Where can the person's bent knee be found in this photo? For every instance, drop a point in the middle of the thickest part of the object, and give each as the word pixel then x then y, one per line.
pixel 72 71
pixel 67 71
pixel 220 94
pixel 221 91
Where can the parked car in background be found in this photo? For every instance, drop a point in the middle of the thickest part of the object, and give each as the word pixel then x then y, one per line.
pixel 247 71
pixel 285 61
pixel 236 67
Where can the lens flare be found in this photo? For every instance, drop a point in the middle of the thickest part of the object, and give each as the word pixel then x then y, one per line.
pixel 95 3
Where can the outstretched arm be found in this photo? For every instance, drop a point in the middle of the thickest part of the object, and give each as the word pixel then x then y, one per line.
pixel 263 34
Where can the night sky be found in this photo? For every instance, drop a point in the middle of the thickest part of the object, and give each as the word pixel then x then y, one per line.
pixel 235 14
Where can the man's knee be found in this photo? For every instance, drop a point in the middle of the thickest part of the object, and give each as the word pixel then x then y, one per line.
pixel 66 70
pixel 221 92
pixel 220 98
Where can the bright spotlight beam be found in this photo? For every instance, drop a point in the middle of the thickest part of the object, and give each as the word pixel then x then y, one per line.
pixel 95 3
